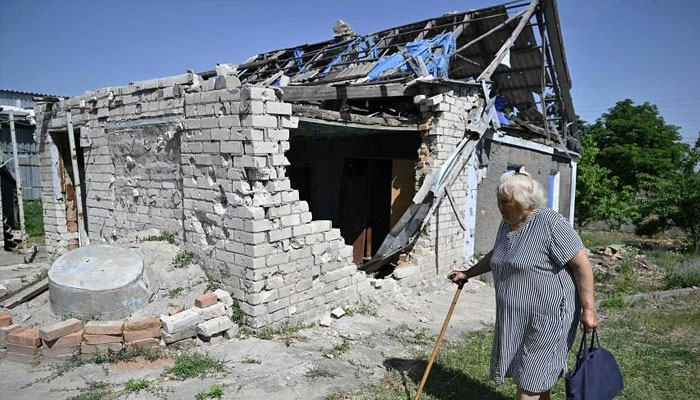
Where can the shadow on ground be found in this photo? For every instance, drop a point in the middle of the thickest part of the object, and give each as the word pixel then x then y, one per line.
pixel 443 383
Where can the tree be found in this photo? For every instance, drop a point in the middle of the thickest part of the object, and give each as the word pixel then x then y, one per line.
pixel 634 140
pixel 597 196
pixel 674 200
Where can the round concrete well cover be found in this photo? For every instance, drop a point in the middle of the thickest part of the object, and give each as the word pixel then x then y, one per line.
pixel 100 281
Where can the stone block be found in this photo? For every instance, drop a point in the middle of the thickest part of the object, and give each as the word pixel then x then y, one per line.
pixel 154 331
pixel 232 332
pixel 23 350
pixel 180 321
pixel 213 311
pixel 205 300
pixel 58 329
pixel 99 348
pixel 405 271
pixel 143 343
pixel 274 107
pixel 102 339
pixel 326 321
pixel 24 337
pixel 70 340
pixel 224 297
pixel 338 312
pixel 6 330
pixel 104 327
pixel 5 319
pixel 144 324
pixel 186 333
pixel 214 326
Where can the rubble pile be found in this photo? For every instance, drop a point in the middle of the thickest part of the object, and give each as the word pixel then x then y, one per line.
pixel 209 318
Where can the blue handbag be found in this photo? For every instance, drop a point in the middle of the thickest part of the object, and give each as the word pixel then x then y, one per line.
pixel 596 375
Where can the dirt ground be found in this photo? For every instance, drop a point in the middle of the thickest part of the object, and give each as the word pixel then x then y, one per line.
pixel 406 320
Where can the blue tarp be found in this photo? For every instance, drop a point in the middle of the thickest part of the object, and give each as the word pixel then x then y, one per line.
pixel 297 57
pixel 438 63
pixel 363 45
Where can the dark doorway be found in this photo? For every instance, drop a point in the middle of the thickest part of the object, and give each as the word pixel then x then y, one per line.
pixel 65 176
pixel 365 205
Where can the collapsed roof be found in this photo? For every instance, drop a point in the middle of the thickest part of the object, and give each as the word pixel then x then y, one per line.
pixel 498 44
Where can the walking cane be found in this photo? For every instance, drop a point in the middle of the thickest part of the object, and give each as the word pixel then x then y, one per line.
pixel 439 340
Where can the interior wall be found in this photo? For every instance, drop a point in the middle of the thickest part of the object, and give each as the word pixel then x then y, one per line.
pixel 355 179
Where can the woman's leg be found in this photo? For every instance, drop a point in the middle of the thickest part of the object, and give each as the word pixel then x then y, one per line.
pixel 525 395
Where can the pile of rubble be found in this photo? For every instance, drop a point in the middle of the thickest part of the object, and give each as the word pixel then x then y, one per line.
pixel 610 258
pixel 208 319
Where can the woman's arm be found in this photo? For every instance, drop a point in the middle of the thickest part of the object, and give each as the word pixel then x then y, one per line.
pixel 583 273
pixel 482 267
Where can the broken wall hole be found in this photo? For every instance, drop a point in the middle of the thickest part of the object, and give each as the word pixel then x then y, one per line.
pixel 66 180
pixel 362 182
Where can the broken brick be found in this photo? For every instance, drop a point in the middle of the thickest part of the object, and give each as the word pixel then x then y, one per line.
pixel 144 324
pixel 5 319
pixel 104 327
pixel 102 339
pixel 143 343
pixel 206 300
pixel 70 340
pixel 153 332
pixel 24 337
pixel 58 329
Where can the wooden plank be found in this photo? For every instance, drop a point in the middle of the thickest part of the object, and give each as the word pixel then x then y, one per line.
pixel 486 74
pixel 18 182
pixel 330 115
pixel 322 93
pixel 26 294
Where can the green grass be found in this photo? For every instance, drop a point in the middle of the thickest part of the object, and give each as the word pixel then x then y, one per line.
pixel 658 351
pixel 136 385
pixel 94 391
pixel 182 259
pixel 190 365
pixel 685 274
pixel 251 361
pixel 34 220
pixel 174 292
pixel 163 237
pixel 216 391
pixel 598 238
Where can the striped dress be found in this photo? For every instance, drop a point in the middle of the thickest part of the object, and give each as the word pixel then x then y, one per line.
pixel 537 305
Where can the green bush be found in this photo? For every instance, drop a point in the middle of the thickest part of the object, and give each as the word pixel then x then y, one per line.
pixel 34 218
pixel 135 385
pixel 216 391
pixel 685 274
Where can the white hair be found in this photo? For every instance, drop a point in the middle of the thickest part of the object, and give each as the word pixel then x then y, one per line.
pixel 525 190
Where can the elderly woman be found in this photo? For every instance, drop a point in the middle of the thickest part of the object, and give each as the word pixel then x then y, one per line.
pixel 542 278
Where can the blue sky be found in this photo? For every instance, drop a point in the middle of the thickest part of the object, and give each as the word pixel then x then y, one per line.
pixel 646 50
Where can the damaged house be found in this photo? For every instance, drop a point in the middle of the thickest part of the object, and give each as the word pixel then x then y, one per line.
pixel 302 175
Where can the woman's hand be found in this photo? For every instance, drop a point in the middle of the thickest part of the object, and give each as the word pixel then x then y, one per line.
pixel 457 277
pixel 588 320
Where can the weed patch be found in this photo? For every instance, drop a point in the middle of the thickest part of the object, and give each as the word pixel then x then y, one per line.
pixel 251 361
pixel 286 332
pixel 173 293
pixel 94 391
pixel 237 315
pixel 182 259
pixel 163 237
pixel 316 373
pixel 190 365
pixel 216 391
pixel 362 309
pixel 136 385
pixel 34 220
pixel 337 350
